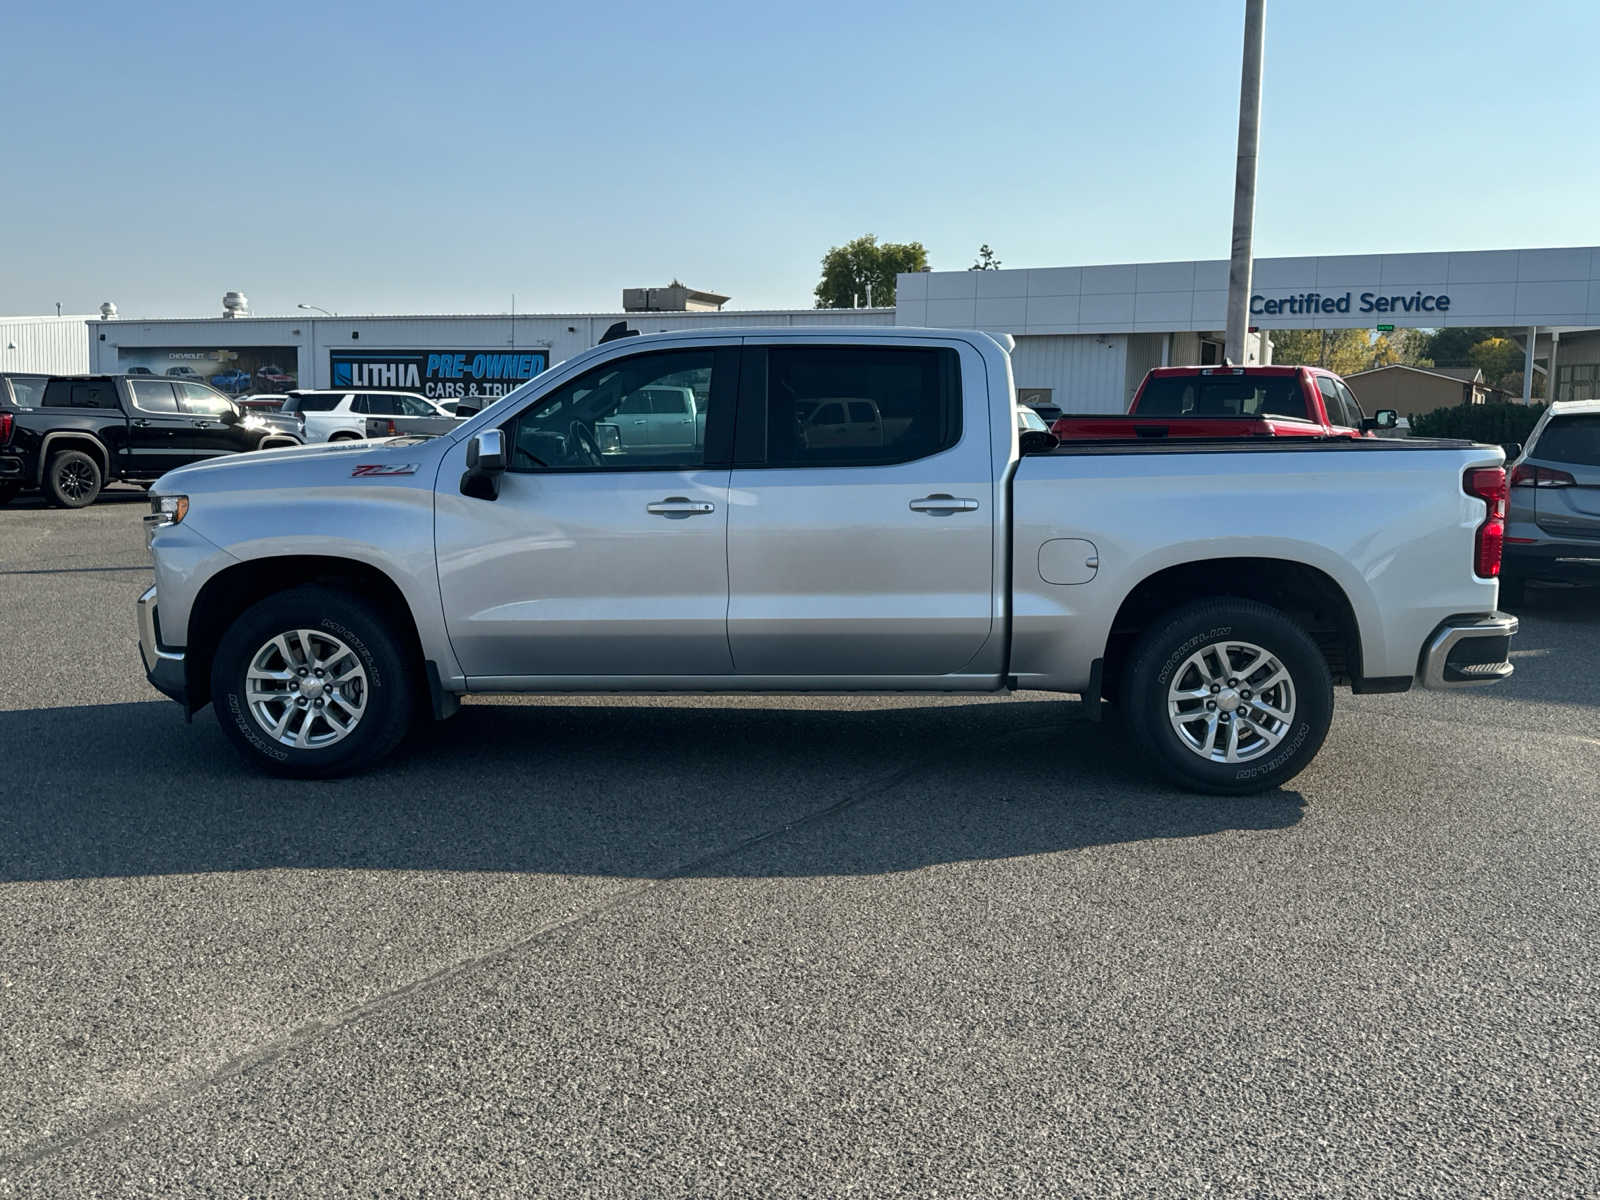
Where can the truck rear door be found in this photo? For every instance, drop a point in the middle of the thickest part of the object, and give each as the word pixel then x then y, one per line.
pixel 868 549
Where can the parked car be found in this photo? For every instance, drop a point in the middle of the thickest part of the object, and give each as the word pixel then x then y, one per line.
pixel 269 377
pixel 188 373
pixel 316 597
pixel 233 382
pixel 340 415
pixel 140 371
pixel 1553 530
pixel 659 417
pixel 1213 402
pixel 87 430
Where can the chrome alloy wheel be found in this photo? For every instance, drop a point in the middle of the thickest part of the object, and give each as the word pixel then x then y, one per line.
pixel 306 689
pixel 1231 702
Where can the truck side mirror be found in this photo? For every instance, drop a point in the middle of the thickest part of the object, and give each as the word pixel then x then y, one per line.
pixel 229 416
pixel 1512 450
pixel 486 462
pixel 1384 418
pixel 1037 441
pixel 466 409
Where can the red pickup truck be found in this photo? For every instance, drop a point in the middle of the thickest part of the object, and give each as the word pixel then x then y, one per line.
pixel 1227 402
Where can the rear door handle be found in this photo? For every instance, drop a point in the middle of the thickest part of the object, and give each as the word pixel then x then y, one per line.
pixel 679 507
pixel 940 505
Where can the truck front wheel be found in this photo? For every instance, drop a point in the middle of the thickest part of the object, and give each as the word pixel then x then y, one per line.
pixel 312 682
pixel 1229 696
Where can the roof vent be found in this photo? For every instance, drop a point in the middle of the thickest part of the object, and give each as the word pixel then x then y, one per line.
pixel 108 311
pixel 235 304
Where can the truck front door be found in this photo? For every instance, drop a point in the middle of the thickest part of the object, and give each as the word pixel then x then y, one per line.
pixel 860 548
pixel 158 432
pixel 601 556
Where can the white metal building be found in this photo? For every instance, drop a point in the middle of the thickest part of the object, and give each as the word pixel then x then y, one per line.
pixel 50 345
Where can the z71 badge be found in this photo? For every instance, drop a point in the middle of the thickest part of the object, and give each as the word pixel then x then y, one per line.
pixel 370 469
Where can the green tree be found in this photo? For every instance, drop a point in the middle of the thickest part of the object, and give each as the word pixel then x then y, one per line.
pixel 1497 358
pixel 1343 351
pixel 986 260
pixel 848 270
pixel 1452 345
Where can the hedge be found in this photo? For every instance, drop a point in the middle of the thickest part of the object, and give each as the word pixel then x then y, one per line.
pixel 1494 424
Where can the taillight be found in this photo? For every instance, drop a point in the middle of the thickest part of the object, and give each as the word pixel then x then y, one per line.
pixel 5 428
pixel 1526 476
pixel 1489 485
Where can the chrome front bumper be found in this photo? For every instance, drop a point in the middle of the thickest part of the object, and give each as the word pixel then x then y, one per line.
pixel 164 668
pixel 1469 651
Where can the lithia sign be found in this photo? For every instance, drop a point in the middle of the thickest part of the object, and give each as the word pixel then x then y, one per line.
pixel 1309 303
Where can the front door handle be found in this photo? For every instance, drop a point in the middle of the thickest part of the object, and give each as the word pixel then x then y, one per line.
pixel 941 505
pixel 202 424
pixel 678 507
pixel 141 424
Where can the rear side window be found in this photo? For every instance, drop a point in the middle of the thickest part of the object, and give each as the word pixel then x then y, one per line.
pixel 153 395
pixel 1222 396
pixel 843 406
pixel 67 393
pixel 1574 440
pixel 302 402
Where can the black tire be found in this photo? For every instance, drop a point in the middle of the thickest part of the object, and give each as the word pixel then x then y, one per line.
pixel 9 492
pixel 345 437
pixel 1163 650
pixel 72 479
pixel 328 613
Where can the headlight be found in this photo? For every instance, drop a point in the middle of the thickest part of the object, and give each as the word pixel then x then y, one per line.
pixel 166 510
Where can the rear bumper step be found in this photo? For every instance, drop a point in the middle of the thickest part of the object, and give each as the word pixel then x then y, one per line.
pixel 1469 651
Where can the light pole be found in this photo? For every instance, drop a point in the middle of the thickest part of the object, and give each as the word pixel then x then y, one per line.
pixel 317 308
pixel 1244 183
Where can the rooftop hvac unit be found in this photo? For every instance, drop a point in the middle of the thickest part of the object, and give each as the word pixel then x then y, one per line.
pixel 235 304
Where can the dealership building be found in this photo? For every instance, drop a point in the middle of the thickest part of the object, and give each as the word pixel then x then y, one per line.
pixel 1084 336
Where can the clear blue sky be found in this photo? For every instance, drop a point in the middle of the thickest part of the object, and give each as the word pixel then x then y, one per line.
pixel 410 157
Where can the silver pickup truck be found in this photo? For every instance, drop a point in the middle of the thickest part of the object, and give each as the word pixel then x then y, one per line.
pixel 323 598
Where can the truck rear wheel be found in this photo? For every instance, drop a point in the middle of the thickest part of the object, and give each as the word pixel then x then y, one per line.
pixel 312 682
pixel 72 479
pixel 1228 696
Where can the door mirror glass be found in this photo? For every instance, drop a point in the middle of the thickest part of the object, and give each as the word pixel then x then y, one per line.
pixel 1386 418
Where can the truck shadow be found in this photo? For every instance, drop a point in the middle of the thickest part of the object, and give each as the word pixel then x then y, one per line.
pixel 623 788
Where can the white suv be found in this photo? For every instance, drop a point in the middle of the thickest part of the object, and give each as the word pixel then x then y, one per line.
pixel 337 415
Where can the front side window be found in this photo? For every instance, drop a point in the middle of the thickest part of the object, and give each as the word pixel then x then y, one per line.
pixel 1332 401
pixel 202 401
pixel 647 411
pixel 1352 406
pixel 153 395
pixel 841 406
pixel 410 406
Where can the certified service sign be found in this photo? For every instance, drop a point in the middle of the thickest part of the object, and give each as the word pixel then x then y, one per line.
pixel 437 374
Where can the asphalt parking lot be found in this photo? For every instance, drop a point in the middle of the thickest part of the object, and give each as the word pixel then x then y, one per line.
pixel 763 946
